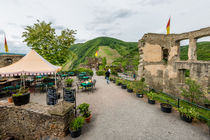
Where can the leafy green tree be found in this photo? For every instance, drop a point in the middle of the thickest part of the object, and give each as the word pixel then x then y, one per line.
pixel 42 38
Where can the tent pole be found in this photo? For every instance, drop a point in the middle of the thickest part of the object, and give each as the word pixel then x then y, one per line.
pixel 55 81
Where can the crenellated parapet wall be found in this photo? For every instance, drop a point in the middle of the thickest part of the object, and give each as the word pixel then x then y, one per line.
pixel 34 121
pixel 160 62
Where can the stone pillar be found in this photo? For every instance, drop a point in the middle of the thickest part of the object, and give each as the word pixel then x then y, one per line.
pixel 192 55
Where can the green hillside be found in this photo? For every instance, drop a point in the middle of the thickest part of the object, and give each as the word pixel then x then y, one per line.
pixel 127 50
pixel 203 51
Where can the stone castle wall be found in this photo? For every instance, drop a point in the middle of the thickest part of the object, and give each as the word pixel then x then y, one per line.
pixel 33 121
pixel 6 60
pixel 160 62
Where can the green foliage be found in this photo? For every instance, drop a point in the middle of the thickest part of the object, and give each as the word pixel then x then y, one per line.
pixel 104 62
pixel 100 72
pixel 118 81
pixel 189 112
pixel 139 86
pixel 84 110
pixel 88 49
pixel 69 81
pixel 79 70
pixel 124 82
pixel 77 123
pixel 21 92
pixel 130 85
pixel 193 91
pixel 203 51
pixel 151 95
pixel 42 38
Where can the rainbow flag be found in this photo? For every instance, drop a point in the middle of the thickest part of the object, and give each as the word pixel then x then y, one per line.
pixel 5 44
pixel 96 54
pixel 168 26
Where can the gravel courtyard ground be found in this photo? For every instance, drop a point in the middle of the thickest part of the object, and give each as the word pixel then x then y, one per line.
pixel 119 115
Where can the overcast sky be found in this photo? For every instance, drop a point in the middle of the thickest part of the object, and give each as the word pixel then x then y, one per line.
pixel 127 20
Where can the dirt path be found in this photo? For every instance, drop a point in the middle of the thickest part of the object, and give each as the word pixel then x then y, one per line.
pixel 119 115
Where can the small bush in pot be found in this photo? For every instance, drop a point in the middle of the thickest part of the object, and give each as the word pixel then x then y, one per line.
pixel 139 88
pixel 21 97
pixel 69 82
pixel 84 111
pixel 130 87
pixel 124 84
pixel 76 127
pixel 151 97
pixel 188 114
pixel 119 82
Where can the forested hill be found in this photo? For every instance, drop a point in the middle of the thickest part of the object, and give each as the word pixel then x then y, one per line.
pixel 203 51
pixel 88 49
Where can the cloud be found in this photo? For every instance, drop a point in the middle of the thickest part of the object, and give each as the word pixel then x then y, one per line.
pixel 106 17
pixel 154 2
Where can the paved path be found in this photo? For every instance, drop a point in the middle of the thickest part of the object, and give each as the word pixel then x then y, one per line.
pixel 119 115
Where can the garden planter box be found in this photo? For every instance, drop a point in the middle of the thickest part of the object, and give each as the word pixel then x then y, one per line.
pixel 75 134
pixel 151 101
pixel 185 118
pixel 21 99
pixel 166 107
pixel 130 90
pixel 123 86
pixel 139 95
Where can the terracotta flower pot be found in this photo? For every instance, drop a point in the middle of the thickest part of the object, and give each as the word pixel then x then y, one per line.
pixel 88 118
pixel 10 100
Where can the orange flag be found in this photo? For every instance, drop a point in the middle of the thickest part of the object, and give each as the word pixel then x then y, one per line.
pixel 96 54
pixel 168 26
pixel 5 44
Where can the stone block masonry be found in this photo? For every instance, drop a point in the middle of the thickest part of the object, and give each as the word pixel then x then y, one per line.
pixel 160 63
pixel 34 121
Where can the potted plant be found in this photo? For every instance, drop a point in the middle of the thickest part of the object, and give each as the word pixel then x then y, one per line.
pixel 139 88
pixel 84 111
pixel 124 84
pixel 10 100
pixel 118 82
pixel 166 107
pixel 130 87
pixel 21 97
pixel 114 80
pixel 111 78
pixel 76 127
pixel 69 82
pixel 151 97
pixel 188 114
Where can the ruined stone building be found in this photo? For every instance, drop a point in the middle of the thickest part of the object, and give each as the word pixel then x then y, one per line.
pixel 9 58
pixel 160 63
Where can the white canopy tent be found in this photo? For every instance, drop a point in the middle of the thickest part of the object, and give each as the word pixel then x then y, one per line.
pixel 31 64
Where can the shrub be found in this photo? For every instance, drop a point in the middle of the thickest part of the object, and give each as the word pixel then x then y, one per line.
pixel 77 123
pixel 84 109
pixel 151 95
pixel 100 72
pixel 79 70
pixel 129 85
pixel 189 112
pixel 193 92
pixel 69 81
pixel 139 86
pixel 118 81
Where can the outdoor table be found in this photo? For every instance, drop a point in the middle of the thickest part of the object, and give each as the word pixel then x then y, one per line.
pixel 85 78
pixel 85 85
